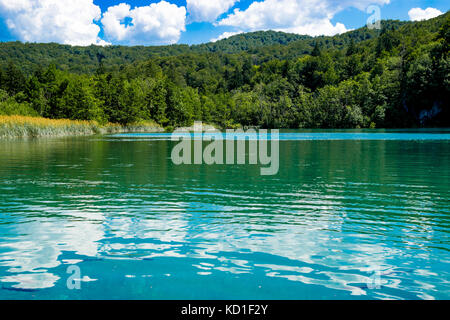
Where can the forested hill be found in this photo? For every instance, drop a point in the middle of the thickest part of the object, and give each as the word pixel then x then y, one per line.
pixel 278 45
pixel 265 45
pixel 398 76
pixel 249 41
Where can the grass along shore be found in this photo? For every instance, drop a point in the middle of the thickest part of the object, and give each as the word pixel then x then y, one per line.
pixel 15 126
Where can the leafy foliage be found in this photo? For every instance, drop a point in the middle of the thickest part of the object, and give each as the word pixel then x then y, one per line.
pixel 394 77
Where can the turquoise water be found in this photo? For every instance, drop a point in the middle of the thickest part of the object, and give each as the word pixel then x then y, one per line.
pixel 350 215
pixel 295 136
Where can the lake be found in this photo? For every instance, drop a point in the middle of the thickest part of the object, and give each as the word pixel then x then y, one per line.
pixel 361 214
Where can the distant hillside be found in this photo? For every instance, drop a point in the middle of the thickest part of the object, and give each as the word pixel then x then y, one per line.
pixel 265 45
pixel 29 56
pixel 249 41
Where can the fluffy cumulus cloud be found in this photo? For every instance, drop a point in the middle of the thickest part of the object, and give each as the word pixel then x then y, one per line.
pixel 417 14
pixel 208 10
pixel 62 21
pixel 157 23
pixel 226 35
pixel 77 22
pixel 312 17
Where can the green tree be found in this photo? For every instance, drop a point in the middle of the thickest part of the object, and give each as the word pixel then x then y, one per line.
pixel 13 79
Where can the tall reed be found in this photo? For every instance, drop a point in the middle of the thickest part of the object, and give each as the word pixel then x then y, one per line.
pixel 22 126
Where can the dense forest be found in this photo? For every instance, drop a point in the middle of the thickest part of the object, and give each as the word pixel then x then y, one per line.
pixel 394 77
pixel 262 45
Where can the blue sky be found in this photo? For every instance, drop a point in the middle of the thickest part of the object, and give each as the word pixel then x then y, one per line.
pixel 156 22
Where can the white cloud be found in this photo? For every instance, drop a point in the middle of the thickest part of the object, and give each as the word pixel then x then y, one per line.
pixel 208 10
pixel 417 14
pixel 158 23
pixel 312 17
pixel 103 43
pixel 226 35
pixel 62 21
pixel 317 28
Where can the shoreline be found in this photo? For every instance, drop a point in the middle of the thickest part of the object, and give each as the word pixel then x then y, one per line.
pixel 16 127
pixel 28 127
pixel 24 127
